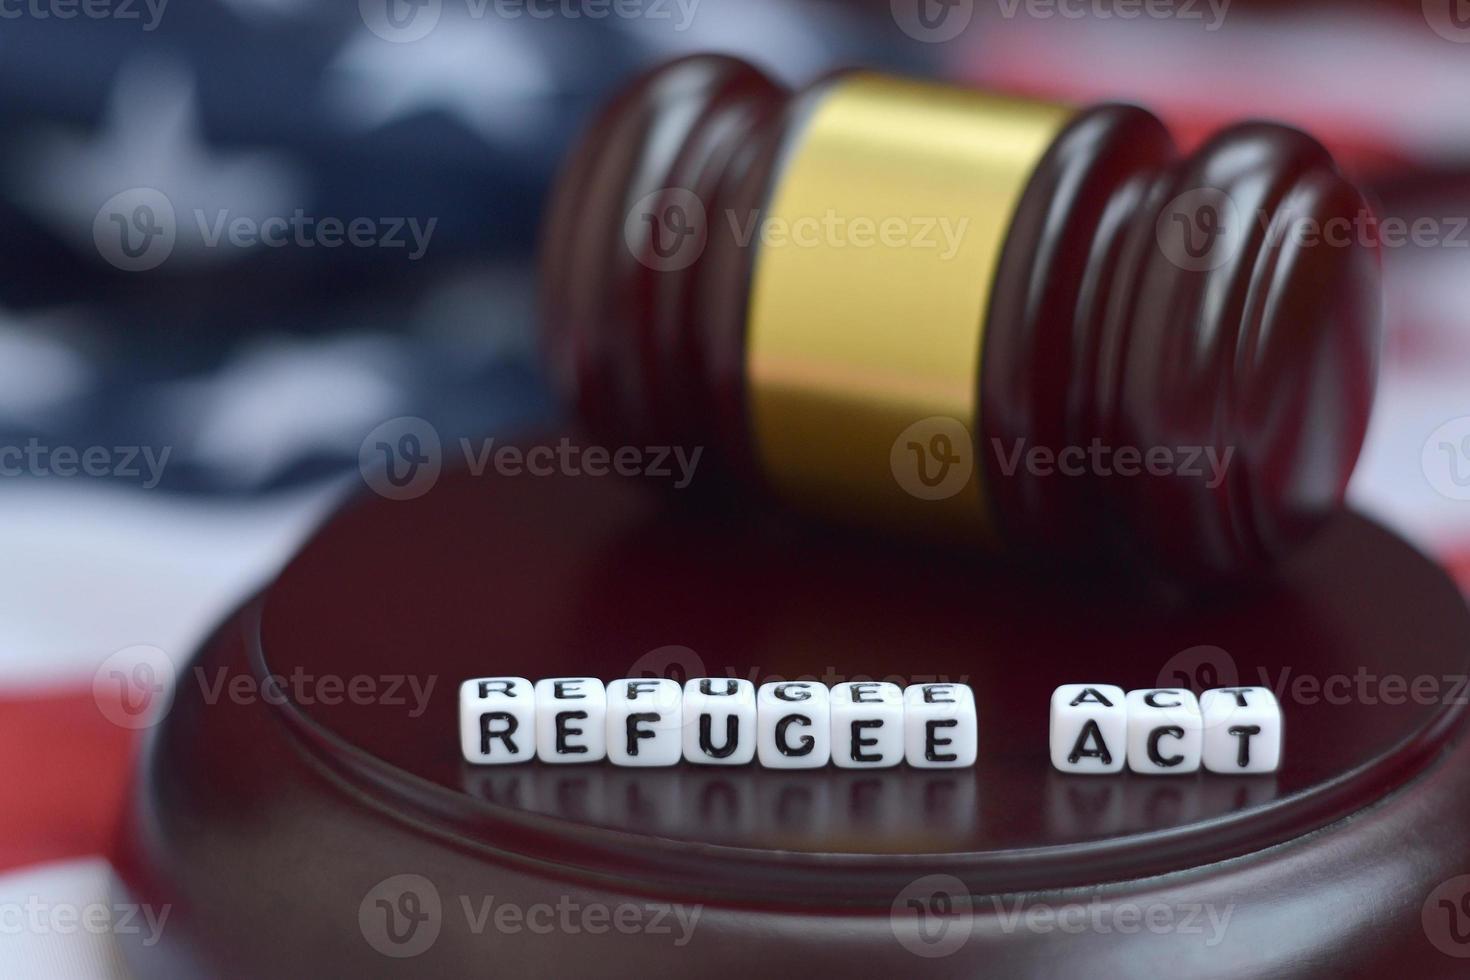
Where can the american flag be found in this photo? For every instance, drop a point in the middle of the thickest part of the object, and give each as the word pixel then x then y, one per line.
pixel 238 235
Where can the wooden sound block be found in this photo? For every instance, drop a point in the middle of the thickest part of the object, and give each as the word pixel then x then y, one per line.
pixel 333 834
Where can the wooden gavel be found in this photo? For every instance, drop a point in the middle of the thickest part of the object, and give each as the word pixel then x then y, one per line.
pixel 987 318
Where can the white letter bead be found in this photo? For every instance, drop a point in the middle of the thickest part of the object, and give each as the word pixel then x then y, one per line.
pixel 571 720
pixel 719 721
pixel 497 720
pixel 1165 731
pixel 1089 728
pixel 1242 730
pixel 939 730
pixel 644 719
pixel 867 725
pixel 793 725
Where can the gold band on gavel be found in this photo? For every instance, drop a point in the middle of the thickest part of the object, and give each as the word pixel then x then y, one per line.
pixel 870 288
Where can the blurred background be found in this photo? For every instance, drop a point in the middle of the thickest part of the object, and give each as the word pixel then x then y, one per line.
pixel 236 236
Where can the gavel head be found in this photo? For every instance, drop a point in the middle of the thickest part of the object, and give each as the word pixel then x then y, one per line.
pixel 980 317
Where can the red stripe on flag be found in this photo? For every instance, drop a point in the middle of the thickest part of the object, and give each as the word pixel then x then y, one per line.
pixel 66 769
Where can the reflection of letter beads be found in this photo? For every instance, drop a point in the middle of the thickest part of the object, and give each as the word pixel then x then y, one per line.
pixel 1096 728
pixel 717 721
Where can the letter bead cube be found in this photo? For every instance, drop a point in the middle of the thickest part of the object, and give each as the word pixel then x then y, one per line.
pixel 645 718
pixel 719 721
pixel 939 728
pixel 793 725
pixel 497 720
pixel 1089 728
pixel 1242 730
pixel 1165 731
pixel 867 725
pixel 571 720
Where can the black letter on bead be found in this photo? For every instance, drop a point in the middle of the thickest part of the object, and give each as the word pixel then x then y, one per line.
pixel 706 687
pixel 1239 692
pixel 804 747
pixel 931 742
pixel 1244 733
pixel 1093 695
pixel 559 690
pixel 1151 697
pixel 930 698
pixel 858 755
pixel 563 730
pixel 802 694
pixel 860 692
pixel 1090 731
pixel 635 733
pixel 706 742
pixel 506 687
pixel 486 734
pixel 1154 755
pixel 636 688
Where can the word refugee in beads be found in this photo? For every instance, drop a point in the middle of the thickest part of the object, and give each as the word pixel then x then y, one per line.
pixel 717 722
pixel 1096 728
